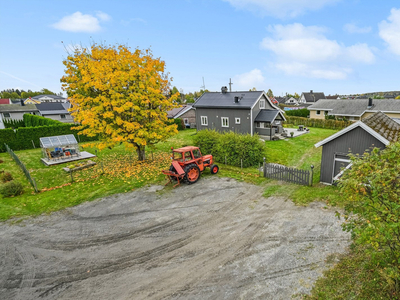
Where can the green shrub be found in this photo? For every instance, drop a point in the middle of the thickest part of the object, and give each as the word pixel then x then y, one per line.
pixel 298 112
pixel 236 148
pixel 11 188
pixel 318 123
pixel 6 176
pixel 13 123
pixel 180 123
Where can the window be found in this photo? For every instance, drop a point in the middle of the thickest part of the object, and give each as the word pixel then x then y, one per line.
pixel 318 112
pixel 237 120
pixel 186 120
pixel 260 124
pixel 62 116
pixel 225 121
pixel 196 153
pixel 262 104
pixel 6 115
pixel 204 121
pixel 325 112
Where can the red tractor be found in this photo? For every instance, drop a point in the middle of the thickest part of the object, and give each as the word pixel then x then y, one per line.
pixel 187 165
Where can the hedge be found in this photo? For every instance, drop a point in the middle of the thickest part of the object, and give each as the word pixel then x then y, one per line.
pixel 13 123
pixel 236 148
pixel 318 123
pixel 34 121
pixel 304 112
pixel 22 138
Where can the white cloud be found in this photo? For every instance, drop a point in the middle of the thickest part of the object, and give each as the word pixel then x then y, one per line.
pixel 248 80
pixel 78 22
pixel 103 16
pixel 389 31
pixel 138 20
pixel 306 51
pixel 280 8
pixel 353 28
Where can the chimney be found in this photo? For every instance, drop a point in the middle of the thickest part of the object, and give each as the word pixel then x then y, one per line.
pixel 369 102
pixel 22 102
pixel 236 99
pixel 224 89
pixel 311 91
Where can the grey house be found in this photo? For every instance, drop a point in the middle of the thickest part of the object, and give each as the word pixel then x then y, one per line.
pixel 376 131
pixel 56 111
pixel 243 112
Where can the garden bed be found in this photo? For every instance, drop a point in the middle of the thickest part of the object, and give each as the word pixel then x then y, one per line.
pixel 79 166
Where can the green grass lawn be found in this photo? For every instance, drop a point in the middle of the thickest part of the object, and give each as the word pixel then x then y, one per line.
pixel 57 190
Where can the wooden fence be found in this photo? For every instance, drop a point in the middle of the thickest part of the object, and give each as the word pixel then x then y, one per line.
pixel 293 175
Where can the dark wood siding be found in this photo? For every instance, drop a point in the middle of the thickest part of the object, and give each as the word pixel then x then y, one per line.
pixel 214 116
pixel 355 141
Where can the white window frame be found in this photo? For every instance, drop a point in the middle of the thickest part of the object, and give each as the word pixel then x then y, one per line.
pixel 186 121
pixel 8 115
pixel 63 116
pixel 260 125
pixel 262 104
pixel 204 120
pixel 223 119
pixel 237 120
pixel 318 112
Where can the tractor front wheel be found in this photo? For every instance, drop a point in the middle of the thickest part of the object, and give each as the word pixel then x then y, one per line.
pixel 192 173
pixel 214 169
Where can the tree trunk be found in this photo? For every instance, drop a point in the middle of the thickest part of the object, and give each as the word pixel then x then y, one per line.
pixel 141 151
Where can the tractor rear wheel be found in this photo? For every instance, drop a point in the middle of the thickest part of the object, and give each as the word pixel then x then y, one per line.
pixel 214 169
pixel 192 173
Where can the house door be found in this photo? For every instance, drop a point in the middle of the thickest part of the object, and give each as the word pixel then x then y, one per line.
pixel 340 161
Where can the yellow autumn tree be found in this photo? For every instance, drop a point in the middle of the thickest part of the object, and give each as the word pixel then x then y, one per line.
pixel 119 95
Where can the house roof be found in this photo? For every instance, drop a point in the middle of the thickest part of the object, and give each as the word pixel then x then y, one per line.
pixel 184 110
pixel 385 126
pixel 54 106
pixel 49 96
pixel 267 115
pixel 281 99
pixel 173 112
pixel 4 101
pixel 313 97
pixel 378 125
pixel 356 107
pixel 18 108
pixel 227 100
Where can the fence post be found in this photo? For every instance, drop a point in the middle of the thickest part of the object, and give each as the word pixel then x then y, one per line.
pixel 241 163
pixel 102 167
pixel 225 160
pixel 70 173
pixel 33 144
pixel 34 184
pixel 259 166
pixel 264 168
pixel 312 175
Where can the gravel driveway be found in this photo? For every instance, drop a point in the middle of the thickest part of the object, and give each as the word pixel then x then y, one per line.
pixel 216 239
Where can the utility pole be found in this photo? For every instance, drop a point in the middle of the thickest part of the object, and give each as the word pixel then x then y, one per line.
pixel 230 85
pixel 203 87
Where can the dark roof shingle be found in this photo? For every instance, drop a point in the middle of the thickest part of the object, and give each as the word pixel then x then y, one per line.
pixel 227 100
pixel 383 125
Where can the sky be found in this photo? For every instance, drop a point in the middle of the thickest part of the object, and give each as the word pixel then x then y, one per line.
pixel 331 46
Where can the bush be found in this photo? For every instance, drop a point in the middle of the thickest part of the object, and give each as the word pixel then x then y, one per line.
pixel 318 123
pixel 11 188
pixel 298 112
pixel 13 123
pixel 180 123
pixel 4 177
pixel 235 147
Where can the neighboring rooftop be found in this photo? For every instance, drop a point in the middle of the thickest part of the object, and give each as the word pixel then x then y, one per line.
pixel 313 97
pixel 5 101
pixel 38 97
pixel 356 107
pixel 385 126
pixel 18 108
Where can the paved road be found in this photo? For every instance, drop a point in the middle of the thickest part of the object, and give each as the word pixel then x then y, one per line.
pixel 216 239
